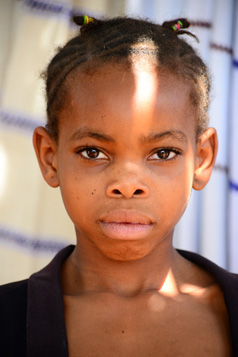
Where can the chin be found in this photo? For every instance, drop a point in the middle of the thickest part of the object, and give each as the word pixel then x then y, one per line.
pixel 126 254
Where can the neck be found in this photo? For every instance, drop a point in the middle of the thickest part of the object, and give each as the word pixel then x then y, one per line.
pixel 87 271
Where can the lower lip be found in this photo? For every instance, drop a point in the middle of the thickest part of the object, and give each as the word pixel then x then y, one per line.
pixel 126 231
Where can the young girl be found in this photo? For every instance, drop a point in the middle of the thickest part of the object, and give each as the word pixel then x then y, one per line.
pixel 126 140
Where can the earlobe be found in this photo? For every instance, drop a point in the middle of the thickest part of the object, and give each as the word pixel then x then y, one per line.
pixel 45 149
pixel 207 146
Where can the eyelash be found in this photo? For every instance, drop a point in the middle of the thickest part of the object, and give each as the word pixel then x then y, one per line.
pixel 87 148
pixel 168 151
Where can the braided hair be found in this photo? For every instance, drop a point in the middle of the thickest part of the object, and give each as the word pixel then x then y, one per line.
pixel 114 41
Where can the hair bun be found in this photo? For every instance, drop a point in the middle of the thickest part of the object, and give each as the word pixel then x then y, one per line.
pixel 177 26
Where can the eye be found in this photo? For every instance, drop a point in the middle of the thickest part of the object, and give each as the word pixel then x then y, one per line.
pixel 164 154
pixel 92 153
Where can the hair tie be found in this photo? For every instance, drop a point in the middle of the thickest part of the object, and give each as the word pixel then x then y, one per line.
pixel 177 26
pixel 84 20
pixel 87 19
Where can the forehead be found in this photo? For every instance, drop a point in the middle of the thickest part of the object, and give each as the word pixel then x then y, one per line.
pixel 140 79
pixel 140 91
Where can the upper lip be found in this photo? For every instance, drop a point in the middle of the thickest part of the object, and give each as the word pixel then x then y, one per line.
pixel 126 216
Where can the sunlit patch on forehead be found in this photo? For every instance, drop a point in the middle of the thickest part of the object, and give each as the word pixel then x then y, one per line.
pixel 144 52
pixel 144 65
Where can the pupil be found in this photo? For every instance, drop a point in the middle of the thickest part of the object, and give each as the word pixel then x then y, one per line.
pixel 92 153
pixel 163 154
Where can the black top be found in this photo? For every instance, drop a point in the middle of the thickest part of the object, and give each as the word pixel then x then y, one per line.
pixel 32 311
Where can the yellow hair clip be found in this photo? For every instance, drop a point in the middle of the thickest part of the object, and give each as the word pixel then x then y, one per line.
pixel 87 19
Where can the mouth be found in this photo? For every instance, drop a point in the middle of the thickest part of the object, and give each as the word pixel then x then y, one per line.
pixel 126 225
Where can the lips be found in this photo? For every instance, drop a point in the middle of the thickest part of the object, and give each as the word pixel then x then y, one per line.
pixel 126 216
pixel 124 225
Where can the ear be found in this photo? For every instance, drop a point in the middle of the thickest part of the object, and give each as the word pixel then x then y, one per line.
pixel 45 148
pixel 207 146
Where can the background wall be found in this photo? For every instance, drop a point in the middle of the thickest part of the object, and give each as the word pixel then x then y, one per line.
pixel 33 223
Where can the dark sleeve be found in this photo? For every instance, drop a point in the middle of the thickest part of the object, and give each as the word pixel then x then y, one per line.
pixel 13 307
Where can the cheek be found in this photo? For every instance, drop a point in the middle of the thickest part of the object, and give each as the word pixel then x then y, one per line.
pixel 80 195
pixel 171 206
pixel 176 191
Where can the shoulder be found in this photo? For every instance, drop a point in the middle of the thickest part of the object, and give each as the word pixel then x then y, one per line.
pixel 13 308
pixel 228 283
pixel 13 302
pixel 13 290
pixel 225 278
pixel 13 287
pixel 13 296
pixel 13 293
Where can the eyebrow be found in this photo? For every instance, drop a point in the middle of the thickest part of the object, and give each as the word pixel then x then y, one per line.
pixel 85 132
pixel 174 134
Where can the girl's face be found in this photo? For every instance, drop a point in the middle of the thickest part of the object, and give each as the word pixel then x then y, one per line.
pixel 125 158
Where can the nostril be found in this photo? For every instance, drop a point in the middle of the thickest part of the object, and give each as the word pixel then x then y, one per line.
pixel 138 192
pixel 126 191
pixel 117 192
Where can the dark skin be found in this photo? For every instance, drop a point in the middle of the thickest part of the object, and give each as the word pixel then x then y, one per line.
pixel 126 161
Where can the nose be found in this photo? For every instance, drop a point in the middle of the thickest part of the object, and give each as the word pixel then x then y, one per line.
pixel 127 185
